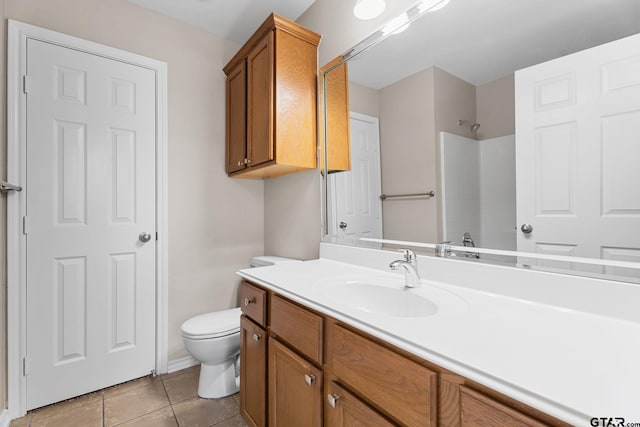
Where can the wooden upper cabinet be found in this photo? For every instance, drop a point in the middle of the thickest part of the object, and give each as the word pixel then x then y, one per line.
pixel 260 98
pixel 279 118
pixel 236 118
pixel 334 95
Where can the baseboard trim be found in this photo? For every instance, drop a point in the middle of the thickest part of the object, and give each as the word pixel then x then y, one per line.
pixel 4 418
pixel 178 365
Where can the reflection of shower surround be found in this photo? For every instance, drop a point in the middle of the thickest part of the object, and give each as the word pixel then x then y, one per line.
pixel 478 191
pixel 473 126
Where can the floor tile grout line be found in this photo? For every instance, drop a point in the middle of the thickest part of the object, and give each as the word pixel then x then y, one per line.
pixel 225 419
pixel 175 417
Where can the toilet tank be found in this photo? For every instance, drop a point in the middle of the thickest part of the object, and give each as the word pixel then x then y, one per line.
pixel 263 261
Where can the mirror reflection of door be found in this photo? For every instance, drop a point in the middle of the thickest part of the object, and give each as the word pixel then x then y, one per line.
pixel 354 195
pixel 577 151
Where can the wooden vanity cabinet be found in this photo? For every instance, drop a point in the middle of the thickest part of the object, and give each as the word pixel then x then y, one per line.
pixel 405 390
pixel 308 369
pixel 343 409
pixel 478 409
pixel 271 102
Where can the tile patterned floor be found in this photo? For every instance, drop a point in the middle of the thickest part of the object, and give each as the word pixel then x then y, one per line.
pixel 165 401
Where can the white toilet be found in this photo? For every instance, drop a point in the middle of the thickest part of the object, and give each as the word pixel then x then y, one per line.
pixel 213 339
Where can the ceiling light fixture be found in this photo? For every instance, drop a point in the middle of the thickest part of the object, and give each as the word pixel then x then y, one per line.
pixel 368 9
pixel 432 5
pixel 396 25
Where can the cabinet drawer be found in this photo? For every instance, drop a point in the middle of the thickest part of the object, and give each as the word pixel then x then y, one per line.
pixel 254 303
pixel 297 326
pixel 404 389
pixel 344 409
pixel 478 409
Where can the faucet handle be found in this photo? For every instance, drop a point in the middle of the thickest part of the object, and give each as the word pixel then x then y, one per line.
pixel 409 255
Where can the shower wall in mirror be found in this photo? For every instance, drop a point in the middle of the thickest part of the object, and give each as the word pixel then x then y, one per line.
pixel 450 141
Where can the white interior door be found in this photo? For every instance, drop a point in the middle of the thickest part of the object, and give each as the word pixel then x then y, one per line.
pixel 577 151
pixel 90 194
pixel 355 194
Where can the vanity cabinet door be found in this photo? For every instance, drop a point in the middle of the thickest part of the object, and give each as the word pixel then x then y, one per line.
pixel 295 389
pixel 343 409
pixel 253 373
pixel 479 410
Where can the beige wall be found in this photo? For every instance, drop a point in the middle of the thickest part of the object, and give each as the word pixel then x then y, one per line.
pixel 215 223
pixel 363 100
pixel 292 215
pixel 407 151
pixel 455 99
pixel 496 108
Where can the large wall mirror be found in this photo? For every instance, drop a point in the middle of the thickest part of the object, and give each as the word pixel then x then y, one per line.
pixel 499 124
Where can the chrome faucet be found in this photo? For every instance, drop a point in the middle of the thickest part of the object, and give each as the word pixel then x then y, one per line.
pixel 468 242
pixel 443 249
pixel 410 266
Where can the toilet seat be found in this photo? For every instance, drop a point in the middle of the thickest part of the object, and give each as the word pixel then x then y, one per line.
pixel 212 325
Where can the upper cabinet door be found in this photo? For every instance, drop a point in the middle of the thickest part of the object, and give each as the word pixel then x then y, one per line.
pixel 260 69
pixel 237 118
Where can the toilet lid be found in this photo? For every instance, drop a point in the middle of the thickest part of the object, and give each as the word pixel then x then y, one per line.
pixel 212 325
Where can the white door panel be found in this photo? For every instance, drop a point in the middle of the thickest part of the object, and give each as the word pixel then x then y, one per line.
pixel 355 194
pixel 576 153
pixel 91 192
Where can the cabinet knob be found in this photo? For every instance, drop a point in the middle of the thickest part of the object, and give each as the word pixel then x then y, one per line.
pixel 309 379
pixel 240 162
pixel 257 337
pixel 249 301
pixel 247 161
pixel 332 399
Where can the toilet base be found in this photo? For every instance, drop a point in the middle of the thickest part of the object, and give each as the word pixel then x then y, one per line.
pixel 218 381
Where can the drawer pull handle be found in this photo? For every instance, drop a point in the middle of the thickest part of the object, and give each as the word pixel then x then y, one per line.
pixel 309 379
pixel 249 301
pixel 333 399
pixel 257 337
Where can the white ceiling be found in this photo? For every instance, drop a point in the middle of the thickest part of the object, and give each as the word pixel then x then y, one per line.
pixel 233 20
pixel 482 40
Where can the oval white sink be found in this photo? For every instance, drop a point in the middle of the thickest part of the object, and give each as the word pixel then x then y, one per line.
pixel 391 301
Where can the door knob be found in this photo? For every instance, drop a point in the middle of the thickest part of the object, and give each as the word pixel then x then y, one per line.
pixel 144 237
pixel 342 225
pixel 526 228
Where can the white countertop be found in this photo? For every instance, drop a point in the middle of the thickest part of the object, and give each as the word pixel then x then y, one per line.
pixel 571 364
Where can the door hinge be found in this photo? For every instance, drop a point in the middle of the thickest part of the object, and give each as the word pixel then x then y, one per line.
pixel 25 366
pixel 25 84
pixel 25 225
pixel 156 235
